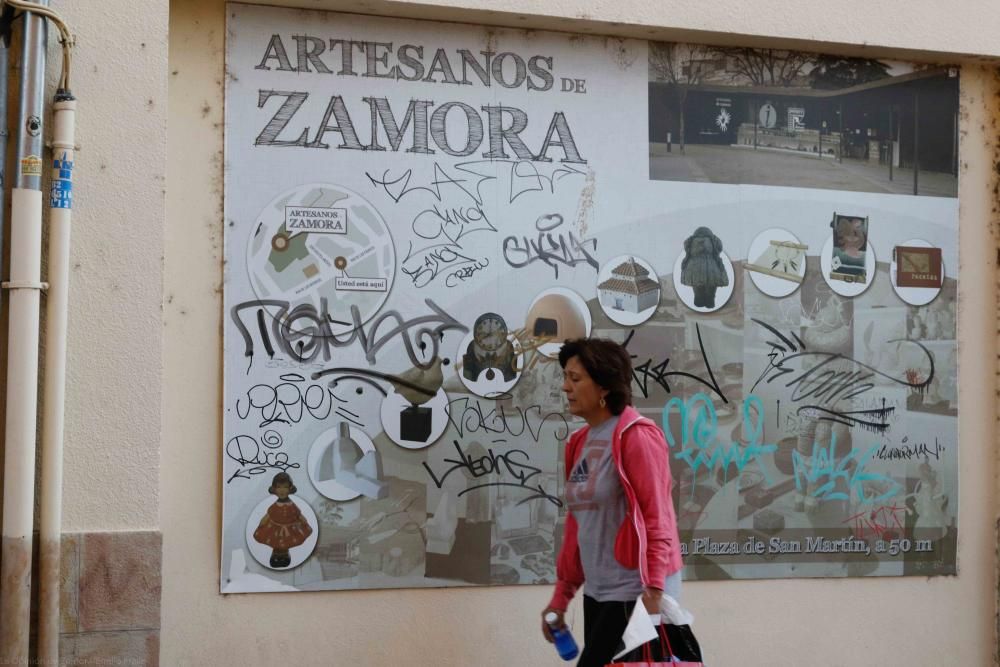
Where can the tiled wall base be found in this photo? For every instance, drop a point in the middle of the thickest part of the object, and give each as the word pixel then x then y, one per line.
pixel 111 598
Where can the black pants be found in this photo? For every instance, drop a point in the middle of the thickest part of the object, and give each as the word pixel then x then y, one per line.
pixel 603 625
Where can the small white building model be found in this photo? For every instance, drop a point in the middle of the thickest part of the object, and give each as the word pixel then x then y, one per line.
pixel 629 288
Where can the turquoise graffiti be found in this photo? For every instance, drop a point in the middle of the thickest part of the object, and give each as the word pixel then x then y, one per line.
pixel 699 446
pixel 826 476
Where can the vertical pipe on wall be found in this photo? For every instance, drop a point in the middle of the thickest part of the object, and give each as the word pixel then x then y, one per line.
pixel 22 350
pixel 5 27
pixel 50 533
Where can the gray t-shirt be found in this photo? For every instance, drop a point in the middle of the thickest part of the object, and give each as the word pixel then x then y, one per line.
pixel 595 496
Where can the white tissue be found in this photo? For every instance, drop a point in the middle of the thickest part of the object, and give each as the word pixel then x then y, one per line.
pixel 640 629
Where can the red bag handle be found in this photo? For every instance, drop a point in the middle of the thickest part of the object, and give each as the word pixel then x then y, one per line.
pixel 647 651
pixel 663 638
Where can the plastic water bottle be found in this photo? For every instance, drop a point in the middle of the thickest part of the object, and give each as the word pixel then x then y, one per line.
pixel 563 638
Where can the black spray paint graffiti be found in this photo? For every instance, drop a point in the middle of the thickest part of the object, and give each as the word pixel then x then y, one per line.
pixel 523 177
pixel 257 457
pixel 826 383
pixel 467 416
pixel 646 371
pixel 400 384
pixel 463 273
pixel 443 228
pixel 548 247
pixel 908 451
pixel 513 463
pixel 303 333
pixel 442 259
pixel 452 222
pixel 460 211
pixel 290 400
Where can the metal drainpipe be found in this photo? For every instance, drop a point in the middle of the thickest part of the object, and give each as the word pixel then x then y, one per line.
pixel 22 351
pixel 5 28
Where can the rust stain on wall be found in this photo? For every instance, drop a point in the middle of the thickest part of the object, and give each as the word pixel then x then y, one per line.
pixel 15 572
pixel 992 133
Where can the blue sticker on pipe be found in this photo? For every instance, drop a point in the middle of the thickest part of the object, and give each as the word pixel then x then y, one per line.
pixel 61 194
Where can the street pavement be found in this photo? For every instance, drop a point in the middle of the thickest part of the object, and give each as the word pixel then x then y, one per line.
pixel 737 164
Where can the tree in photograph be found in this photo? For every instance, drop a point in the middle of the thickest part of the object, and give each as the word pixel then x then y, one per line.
pixel 683 65
pixel 835 72
pixel 767 67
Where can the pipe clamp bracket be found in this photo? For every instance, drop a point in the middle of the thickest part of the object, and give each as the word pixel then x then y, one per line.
pixel 24 284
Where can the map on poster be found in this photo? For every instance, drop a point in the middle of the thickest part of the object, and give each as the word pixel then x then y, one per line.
pixel 417 214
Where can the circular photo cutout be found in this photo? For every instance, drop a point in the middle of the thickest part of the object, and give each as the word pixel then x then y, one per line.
pixel 322 244
pixel 916 272
pixel 556 315
pixel 628 290
pixel 776 262
pixel 848 273
pixel 703 275
pixel 282 529
pixel 343 463
pixel 414 426
pixel 491 357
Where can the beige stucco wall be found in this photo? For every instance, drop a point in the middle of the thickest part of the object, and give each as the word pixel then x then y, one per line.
pixel 906 621
pixel 113 386
pixel 855 26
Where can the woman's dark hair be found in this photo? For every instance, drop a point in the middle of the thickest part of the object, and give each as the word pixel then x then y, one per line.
pixel 282 478
pixel 607 363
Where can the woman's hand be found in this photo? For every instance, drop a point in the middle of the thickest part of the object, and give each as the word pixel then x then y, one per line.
pixel 560 623
pixel 651 598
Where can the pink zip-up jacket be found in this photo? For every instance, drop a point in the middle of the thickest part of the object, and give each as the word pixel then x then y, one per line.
pixel 647 539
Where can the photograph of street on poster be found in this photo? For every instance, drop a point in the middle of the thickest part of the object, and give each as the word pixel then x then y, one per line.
pixel 418 214
pixel 742 115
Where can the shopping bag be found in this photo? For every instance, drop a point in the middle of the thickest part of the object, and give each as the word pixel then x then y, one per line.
pixel 673 644
pixel 665 655
pixel 639 630
pixel 682 642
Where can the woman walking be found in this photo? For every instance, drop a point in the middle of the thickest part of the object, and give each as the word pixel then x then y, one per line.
pixel 620 539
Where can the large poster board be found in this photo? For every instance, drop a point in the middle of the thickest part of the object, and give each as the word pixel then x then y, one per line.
pixel 418 213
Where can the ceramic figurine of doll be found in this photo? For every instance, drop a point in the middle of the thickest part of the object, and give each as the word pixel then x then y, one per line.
pixel 283 526
pixel 702 268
